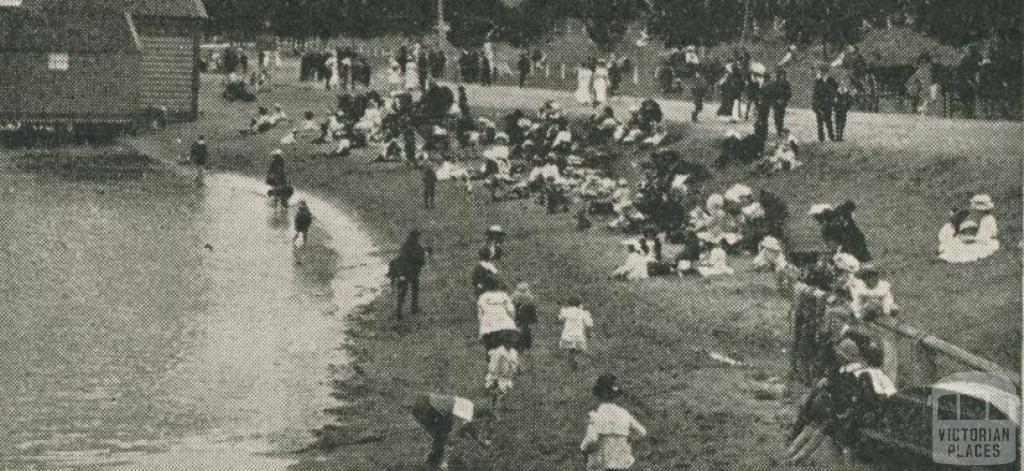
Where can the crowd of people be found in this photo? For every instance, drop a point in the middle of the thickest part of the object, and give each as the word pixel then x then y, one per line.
pixel 676 226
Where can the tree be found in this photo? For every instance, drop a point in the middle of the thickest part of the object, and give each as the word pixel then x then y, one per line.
pixel 608 20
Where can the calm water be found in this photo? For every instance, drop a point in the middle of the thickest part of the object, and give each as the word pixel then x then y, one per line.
pixel 148 324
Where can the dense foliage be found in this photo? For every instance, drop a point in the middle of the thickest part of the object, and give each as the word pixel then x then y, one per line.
pixel 676 22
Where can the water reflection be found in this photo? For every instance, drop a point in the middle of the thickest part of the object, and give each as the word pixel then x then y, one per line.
pixel 152 325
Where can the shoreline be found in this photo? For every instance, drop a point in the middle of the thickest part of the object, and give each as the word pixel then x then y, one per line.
pixel 652 331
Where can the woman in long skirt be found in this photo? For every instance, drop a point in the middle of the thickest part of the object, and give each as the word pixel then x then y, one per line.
pixel 584 76
pixel 412 76
pixel 601 83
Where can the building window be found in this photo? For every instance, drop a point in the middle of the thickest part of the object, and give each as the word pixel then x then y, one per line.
pixel 58 61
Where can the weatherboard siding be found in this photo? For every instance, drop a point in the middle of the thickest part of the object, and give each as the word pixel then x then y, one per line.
pixel 95 86
pixel 169 64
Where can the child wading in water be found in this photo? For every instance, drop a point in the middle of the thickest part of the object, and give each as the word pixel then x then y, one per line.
pixel 303 221
pixel 576 330
pixel 609 428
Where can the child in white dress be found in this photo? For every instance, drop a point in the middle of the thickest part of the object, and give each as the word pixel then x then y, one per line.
pixel 871 295
pixel 575 330
pixel 609 430
pixel 714 262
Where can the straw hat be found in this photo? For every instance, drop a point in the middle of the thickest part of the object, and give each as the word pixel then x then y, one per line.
pixel 848 350
pixel 982 202
pixel 495 229
pixel 771 243
pixel 819 209
pixel 277 152
pixel 501 137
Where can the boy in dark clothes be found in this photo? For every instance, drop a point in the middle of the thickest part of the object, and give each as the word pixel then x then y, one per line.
pixel 404 272
pixel 199 152
pixel 303 221
pixel 429 186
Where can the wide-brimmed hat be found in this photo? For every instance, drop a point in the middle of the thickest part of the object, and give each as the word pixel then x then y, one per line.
pixel 771 243
pixel 501 137
pixel 846 262
pixel 495 229
pixel 848 351
pixel 819 209
pixel 605 387
pixel 738 191
pixel 867 269
pixel 982 202
pixel 277 152
pixel 715 201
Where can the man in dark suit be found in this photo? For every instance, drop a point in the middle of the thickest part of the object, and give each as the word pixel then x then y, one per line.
pixel 822 100
pixel 698 89
pixel 843 101
pixel 781 93
pixel 524 68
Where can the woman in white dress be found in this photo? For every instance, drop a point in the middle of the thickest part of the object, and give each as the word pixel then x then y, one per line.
pixel 635 267
pixel 332 66
pixel 412 76
pixel 584 77
pixel 601 83
pixel 395 81
pixel 976 237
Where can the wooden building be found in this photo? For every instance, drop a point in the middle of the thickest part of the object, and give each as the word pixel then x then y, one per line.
pixel 99 61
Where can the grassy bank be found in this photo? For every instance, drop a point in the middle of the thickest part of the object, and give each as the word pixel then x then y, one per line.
pixel 652 334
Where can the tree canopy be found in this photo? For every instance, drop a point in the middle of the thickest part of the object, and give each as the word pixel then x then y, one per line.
pixel 676 22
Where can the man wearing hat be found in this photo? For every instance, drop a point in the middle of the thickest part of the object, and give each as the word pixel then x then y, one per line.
pixel 822 99
pixel 606 442
pixel 840 403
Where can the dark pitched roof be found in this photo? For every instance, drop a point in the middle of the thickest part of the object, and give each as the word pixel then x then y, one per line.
pixel 170 8
pixel 165 8
pixel 86 30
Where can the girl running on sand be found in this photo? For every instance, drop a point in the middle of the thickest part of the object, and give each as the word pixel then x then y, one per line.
pixel 575 330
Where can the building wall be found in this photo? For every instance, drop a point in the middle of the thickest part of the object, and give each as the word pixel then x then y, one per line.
pixel 169 64
pixel 95 86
